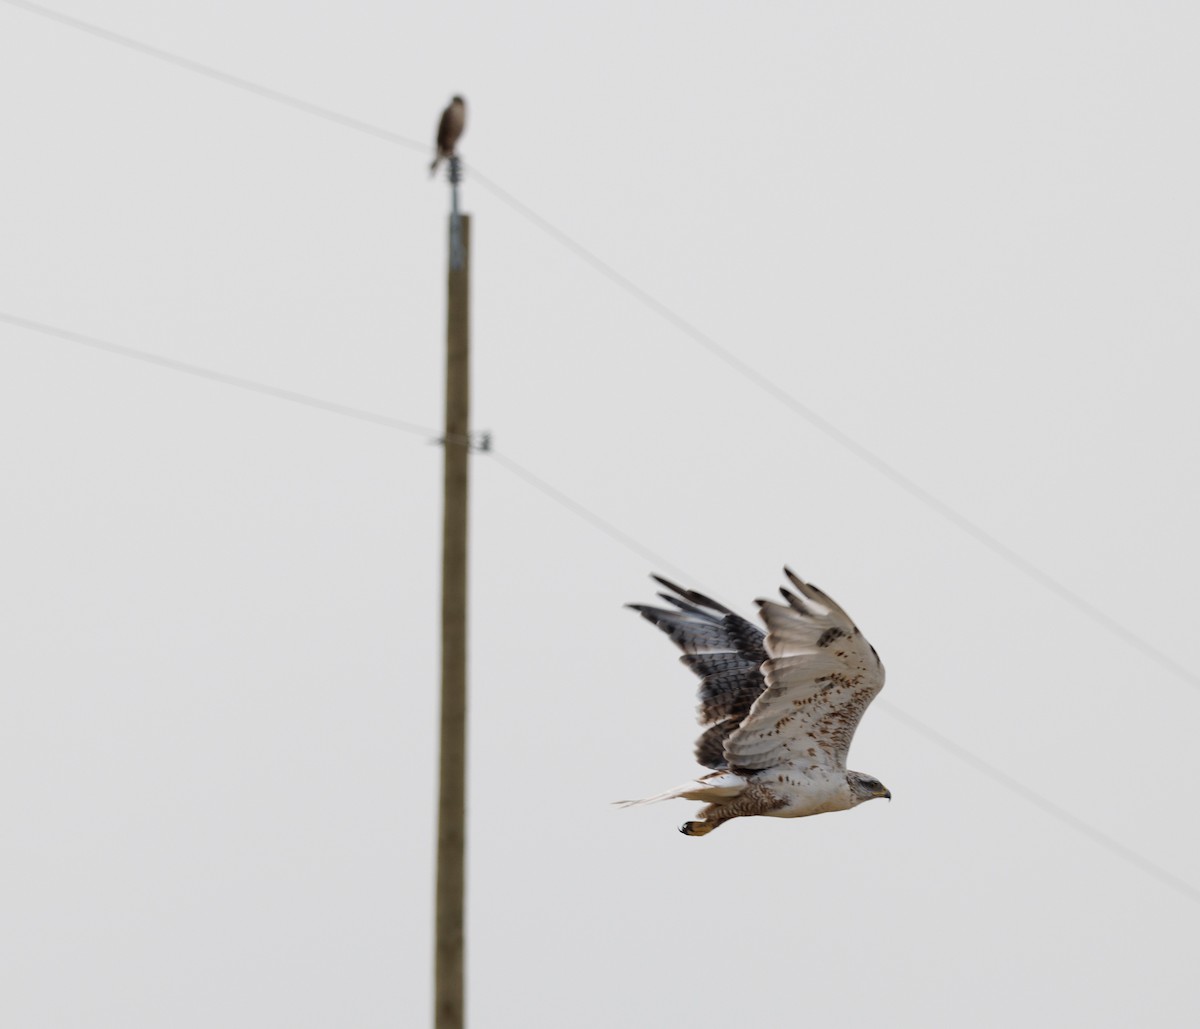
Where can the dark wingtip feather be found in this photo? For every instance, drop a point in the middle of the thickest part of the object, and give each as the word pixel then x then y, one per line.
pixel 692 596
pixel 649 613
pixel 678 602
pixel 667 583
pixel 794 601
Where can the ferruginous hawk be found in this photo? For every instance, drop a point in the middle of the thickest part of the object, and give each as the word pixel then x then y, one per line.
pixel 454 119
pixel 781 707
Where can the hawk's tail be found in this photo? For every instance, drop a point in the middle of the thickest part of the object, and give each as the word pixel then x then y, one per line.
pixel 708 790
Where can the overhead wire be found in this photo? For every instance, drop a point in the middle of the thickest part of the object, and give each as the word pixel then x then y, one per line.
pixel 722 353
pixel 632 544
pixel 945 743
pixel 253 386
pixel 214 376
pixel 274 95
pixel 847 442
pixel 696 335
pixel 1014 785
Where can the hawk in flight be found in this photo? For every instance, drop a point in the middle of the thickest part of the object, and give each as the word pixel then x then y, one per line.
pixel 781 707
pixel 454 118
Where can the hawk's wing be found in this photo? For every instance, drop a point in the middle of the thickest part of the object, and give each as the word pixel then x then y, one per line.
pixel 725 650
pixel 821 674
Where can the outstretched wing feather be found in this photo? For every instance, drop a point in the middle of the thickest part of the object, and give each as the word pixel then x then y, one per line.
pixel 725 650
pixel 710 747
pixel 729 685
pixel 691 633
pixel 821 674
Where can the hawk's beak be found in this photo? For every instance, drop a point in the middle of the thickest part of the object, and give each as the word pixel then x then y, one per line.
pixel 886 793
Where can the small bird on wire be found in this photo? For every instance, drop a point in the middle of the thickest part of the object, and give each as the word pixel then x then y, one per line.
pixel 781 706
pixel 450 128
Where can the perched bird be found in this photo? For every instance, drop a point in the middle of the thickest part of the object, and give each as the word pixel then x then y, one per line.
pixel 781 707
pixel 453 120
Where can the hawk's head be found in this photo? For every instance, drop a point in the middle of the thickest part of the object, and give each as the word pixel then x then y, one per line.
pixel 866 787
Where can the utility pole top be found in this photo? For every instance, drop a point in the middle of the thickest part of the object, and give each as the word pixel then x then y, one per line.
pixel 454 174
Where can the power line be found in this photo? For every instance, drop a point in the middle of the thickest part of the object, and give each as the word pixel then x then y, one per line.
pixel 1048 806
pixel 186 63
pixel 214 376
pixel 1102 839
pixel 1015 786
pixel 701 338
pixel 347 411
pixel 623 538
pixel 747 371
pixel 847 442
pixel 589 516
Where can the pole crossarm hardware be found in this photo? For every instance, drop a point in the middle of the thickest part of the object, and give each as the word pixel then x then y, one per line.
pixel 476 442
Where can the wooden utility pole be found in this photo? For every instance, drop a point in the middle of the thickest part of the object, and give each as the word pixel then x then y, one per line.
pixel 456 446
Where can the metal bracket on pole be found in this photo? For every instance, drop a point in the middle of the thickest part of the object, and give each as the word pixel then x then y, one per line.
pixel 476 442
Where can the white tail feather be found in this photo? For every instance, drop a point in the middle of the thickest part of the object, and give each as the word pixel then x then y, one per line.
pixel 720 786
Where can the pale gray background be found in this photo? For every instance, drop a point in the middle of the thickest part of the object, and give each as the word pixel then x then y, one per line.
pixel 965 234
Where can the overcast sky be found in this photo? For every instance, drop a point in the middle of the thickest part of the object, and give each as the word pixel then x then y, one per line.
pixel 963 235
